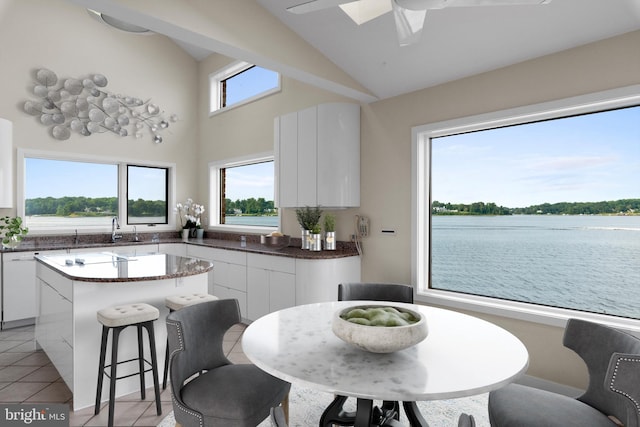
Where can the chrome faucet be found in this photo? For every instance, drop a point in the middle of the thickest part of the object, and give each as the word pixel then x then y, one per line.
pixel 135 232
pixel 115 225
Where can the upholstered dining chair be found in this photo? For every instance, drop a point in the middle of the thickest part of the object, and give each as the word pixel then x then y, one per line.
pixel 612 397
pixel 224 394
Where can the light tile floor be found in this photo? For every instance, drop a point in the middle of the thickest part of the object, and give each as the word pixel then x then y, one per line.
pixel 27 376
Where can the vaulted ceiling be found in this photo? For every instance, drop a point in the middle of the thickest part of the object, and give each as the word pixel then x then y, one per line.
pixel 366 61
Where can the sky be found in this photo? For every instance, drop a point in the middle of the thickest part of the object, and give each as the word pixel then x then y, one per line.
pixel 248 181
pixel 586 158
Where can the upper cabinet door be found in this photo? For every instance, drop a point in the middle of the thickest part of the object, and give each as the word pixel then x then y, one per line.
pixel 307 157
pixel 320 165
pixel 287 159
pixel 339 155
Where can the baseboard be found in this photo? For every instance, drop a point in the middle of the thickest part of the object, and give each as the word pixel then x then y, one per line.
pixel 18 323
pixel 547 385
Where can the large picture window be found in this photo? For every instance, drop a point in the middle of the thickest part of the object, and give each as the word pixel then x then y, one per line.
pixel 74 193
pixel 541 208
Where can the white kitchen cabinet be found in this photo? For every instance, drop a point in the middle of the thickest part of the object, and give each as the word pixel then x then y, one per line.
pixel 318 156
pixel 317 279
pixel 19 288
pixel 271 284
pixel 179 249
pixel 228 279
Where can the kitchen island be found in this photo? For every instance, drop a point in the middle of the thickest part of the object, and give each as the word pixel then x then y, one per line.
pixel 72 288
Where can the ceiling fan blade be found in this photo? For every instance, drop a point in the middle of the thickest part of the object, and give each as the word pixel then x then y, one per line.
pixel 315 5
pixel 409 23
pixel 473 3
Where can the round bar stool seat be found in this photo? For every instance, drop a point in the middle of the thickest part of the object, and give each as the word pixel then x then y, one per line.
pixel 116 319
pixel 175 303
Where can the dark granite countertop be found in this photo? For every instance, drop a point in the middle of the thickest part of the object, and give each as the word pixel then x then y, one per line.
pixel 104 267
pixel 229 241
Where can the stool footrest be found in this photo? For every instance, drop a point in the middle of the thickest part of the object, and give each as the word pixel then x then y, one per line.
pixel 106 372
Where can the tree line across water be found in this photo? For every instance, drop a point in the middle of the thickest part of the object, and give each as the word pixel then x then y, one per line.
pixel 612 207
pixel 107 206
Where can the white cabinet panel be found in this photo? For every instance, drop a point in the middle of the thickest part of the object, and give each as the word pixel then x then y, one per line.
pixel 339 153
pixel 317 279
pixel 307 157
pixel 271 284
pixel 228 293
pixel 318 156
pixel 179 249
pixel 19 286
pixel 287 156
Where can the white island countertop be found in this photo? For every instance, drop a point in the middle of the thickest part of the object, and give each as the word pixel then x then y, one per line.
pixel 111 267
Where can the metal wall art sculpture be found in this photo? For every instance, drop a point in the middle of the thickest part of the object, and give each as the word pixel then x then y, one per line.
pixel 85 107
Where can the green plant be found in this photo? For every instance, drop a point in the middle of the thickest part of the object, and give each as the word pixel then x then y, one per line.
pixel 329 223
pixel 309 218
pixel 12 229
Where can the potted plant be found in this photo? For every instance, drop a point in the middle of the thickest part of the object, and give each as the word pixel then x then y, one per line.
pixel 12 231
pixel 330 232
pixel 308 218
pixel 190 218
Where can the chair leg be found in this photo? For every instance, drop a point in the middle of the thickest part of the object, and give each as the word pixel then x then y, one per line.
pixel 103 351
pixel 166 362
pixel 285 408
pixel 166 367
pixel 141 363
pixel 154 365
pixel 112 380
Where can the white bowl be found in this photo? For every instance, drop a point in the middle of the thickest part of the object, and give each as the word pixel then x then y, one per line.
pixel 380 339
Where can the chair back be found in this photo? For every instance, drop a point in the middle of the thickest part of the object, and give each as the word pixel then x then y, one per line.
pixel 195 337
pixel 375 291
pixel 597 345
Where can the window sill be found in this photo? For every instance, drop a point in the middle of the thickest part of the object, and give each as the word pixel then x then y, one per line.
pixel 243 229
pixel 533 313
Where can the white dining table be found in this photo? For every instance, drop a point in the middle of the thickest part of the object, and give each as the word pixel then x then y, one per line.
pixel 461 356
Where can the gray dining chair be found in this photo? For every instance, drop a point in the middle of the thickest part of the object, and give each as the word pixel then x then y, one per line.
pixel 613 363
pixel 206 388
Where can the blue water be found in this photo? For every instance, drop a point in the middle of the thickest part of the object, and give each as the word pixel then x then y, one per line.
pixel 589 263
pixel 264 221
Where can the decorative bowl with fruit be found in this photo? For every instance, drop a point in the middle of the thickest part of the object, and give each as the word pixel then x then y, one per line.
pixel 379 328
pixel 275 240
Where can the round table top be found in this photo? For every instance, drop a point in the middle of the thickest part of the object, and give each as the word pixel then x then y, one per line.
pixel 461 356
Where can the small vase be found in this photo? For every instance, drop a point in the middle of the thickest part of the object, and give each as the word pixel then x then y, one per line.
pixel 12 243
pixel 199 233
pixel 305 239
pixel 185 234
pixel 315 242
pixel 330 241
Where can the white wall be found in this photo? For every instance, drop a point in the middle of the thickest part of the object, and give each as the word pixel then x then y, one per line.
pixel 58 35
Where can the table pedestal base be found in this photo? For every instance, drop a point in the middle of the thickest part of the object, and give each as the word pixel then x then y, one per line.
pixel 367 415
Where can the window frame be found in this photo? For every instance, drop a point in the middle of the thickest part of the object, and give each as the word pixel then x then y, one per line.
pixel 215 87
pixel 421 202
pixel 215 193
pixel 128 166
pixel 121 164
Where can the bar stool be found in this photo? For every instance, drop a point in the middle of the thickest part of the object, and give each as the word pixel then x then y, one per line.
pixel 117 318
pixel 174 303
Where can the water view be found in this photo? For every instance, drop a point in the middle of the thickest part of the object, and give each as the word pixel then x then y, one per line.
pixel 589 263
